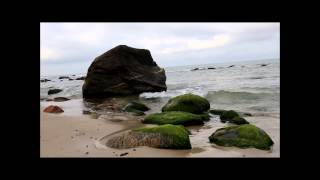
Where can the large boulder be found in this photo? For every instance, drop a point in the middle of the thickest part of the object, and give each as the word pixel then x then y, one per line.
pixel 243 136
pixel 165 136
pixel 123 71
pixel 175 117
pixel 187 103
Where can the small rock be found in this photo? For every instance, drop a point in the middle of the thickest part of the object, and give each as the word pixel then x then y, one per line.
pixel 231 66
pixel 211 68
pixel 53 109
pixel 124 154
pixel 87 152
pixel 133 149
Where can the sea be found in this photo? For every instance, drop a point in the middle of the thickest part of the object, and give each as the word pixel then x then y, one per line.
pixel 246 86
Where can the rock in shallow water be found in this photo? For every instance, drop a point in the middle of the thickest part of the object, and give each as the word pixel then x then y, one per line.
pixel 81 78
pixel 60 99
pixel 165 136
pixel 187 103
pixel 217 111
pixel 233 117
pixel 243 136
pixel 54 91
pixel 175 117
pixel 123 71
pixel 45 80
pixel 136 108
pixel 53 109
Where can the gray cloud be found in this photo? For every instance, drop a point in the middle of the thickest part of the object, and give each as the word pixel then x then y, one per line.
pixel 71 47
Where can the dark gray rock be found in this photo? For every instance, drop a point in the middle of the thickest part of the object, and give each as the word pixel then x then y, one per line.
pixel 123 71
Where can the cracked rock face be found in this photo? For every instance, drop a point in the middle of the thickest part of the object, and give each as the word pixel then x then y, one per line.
pixel 123 71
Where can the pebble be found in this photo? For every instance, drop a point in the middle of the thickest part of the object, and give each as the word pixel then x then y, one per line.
pixel 87 152
pixel 124 154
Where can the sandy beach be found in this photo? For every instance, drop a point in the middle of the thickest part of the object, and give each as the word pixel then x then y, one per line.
pixel 72 134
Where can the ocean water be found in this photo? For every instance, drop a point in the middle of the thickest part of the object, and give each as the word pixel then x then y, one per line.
pixel 247 86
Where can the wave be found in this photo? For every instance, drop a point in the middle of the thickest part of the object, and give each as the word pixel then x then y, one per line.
pixel 229 97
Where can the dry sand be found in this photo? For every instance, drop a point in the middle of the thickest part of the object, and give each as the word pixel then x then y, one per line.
pixel 71 134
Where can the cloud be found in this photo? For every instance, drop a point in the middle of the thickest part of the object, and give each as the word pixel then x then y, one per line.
pixel 197 44
pixel 170 43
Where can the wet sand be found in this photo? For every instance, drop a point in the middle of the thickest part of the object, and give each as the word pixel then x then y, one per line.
pixel 72 134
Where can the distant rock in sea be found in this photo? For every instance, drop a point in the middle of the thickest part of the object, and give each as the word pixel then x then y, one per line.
pixel 81 78
pixel 197 69
pixel 63 77
pixel 264 64
pixel 54 91
pixel 60 99
pixel 231 66
pixel 123 70
pixel 211 68
pixel 45 80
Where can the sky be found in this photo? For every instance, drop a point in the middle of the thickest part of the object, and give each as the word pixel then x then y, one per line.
pixel 69 48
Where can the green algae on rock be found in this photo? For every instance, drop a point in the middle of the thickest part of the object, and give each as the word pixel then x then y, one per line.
pixel 165 136
pixel 176 117
pixel 232 117
pixel 217 111
pixel 239 120
pixel 187 103
pixel 136 108
pixel 228 115
pixel 243 136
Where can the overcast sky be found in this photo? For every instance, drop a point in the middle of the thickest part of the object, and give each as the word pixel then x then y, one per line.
pixel 68 48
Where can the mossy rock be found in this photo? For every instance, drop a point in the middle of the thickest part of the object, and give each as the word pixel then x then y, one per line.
pixel 136 112
pixel 165 136
pixel 243 136
pixel 228 115
pixel 136 106
pixel 187 103
pixel 175 117
pixel 217 111
pixel 239 120
pixel 232 117
pixel 54 91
